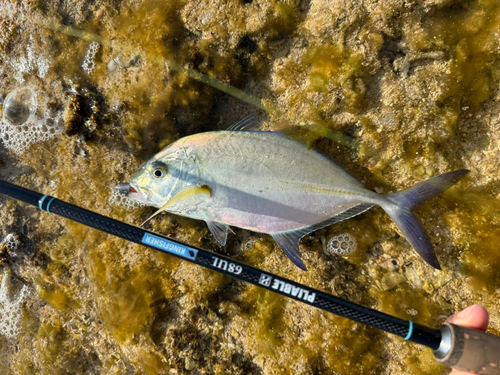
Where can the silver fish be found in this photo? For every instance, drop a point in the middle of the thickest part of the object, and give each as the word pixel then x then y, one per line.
pixel 268 183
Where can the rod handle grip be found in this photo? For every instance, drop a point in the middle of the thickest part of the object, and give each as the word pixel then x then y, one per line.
pixel 470 350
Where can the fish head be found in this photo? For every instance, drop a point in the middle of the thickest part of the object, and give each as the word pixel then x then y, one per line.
pixel 160 178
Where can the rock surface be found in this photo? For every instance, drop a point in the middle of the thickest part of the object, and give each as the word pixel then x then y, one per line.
pixel 397 91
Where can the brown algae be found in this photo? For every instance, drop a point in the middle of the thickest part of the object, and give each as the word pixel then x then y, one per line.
pixel 414 86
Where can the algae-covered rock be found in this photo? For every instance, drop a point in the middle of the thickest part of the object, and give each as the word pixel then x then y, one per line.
pixel 397 91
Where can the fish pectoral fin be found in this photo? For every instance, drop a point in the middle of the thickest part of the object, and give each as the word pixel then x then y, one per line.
pixel 219 231
pixel 187 196
pixel 289 243
pixel 152 216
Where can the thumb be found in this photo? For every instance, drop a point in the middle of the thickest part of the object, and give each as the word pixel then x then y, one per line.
pixel 474 316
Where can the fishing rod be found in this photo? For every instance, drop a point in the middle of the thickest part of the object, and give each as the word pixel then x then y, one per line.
pixel 454 346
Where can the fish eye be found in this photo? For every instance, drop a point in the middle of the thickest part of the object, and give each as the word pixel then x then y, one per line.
pixel 158 170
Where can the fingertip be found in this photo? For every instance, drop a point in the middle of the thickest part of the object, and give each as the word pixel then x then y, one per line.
pixel 475 317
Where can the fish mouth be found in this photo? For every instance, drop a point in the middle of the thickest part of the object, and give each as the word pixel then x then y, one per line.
pixel 134 192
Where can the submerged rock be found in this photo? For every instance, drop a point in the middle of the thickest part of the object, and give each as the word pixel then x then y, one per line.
pixel 396 91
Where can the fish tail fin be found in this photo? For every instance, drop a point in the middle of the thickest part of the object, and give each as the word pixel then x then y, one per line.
pixel 423 191
pixel 409 198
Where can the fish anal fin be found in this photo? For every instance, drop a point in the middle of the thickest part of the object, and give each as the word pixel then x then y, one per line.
pixel 347 214
pixel 218 230
pixel 289 243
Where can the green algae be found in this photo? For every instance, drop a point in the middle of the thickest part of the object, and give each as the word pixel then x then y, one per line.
pixel 468 36
pixel 420 308
pixel 58 354
pixel 332 70
pixel 154 103
pixel 256 251
pixel 181 317
pixel 52 335
pixel 270 331
pixel 333 67
pixel 126 294
pixel 478 237
pixel 266 310
pixel 150 363
pixel 54 295
pixel 202 284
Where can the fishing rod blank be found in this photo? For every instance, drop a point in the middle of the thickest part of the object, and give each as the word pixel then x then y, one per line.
pixel 453 346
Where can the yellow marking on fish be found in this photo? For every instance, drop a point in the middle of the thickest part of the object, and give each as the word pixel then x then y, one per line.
pixel 189 192
pixel 183 195
pixel 319 188
pixel 144 180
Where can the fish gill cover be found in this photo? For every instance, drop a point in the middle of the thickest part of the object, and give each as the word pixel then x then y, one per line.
pixel 397 91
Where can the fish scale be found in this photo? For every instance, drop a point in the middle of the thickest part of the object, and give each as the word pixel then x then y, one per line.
pixel 279 194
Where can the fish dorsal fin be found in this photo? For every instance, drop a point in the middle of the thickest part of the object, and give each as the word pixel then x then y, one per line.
pixel 248 123
pixel 186 197
pixel 218 230
pixel 289 243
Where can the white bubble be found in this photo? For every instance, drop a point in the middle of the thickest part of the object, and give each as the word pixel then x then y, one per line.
pixel 11 241
pixel 89 60
pixel 26 119
pixel 29 62
pixel 19 105
pixel 341 244
pixel 119 199
pixel 11 311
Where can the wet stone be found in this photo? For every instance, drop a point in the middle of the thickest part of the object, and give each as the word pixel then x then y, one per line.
pixel 189 363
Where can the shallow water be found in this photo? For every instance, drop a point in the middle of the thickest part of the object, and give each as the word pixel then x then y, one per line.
pixel 395 91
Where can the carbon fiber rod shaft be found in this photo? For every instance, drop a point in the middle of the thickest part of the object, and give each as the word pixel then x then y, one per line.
pixel 220 263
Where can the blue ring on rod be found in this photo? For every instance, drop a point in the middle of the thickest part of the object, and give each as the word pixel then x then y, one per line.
pixel 410 331
pixel 40 202
pixel 48 204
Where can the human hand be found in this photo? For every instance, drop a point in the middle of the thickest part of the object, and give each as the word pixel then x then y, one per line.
pixel 475 317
